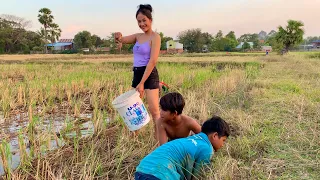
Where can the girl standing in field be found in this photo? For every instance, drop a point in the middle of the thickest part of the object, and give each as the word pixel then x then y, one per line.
pixel 145 52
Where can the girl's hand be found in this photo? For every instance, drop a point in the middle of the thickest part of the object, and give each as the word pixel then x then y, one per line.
pixel 118 37
pixel 140 89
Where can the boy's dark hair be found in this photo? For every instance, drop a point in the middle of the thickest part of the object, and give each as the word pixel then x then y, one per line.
pixel 216 124
pixel 146 10
pixel 172 102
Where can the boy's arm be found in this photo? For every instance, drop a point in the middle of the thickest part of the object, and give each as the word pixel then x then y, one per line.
pixel 194 126
pixel 202 161
pixel 162 134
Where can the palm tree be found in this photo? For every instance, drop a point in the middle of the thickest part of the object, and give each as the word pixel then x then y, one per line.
pixel 41 33
pixel 54 32
pixel 290 35
pixel 45 18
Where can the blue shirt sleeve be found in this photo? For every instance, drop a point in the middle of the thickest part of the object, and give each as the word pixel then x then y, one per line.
pixel 202 159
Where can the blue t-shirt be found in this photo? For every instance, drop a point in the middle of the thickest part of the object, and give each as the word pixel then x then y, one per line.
pixel 178 159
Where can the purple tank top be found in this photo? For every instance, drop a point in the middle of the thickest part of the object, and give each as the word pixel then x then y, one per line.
pixel 141 54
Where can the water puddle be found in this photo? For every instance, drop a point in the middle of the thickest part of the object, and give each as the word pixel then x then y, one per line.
pixel 11 129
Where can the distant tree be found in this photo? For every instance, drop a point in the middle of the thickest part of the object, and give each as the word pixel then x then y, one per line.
pixel 272 41
pixel 246 46
pixel 231 35
pixel 272 33
pixel 96 40
pixel 207 38
pixel 251 38
pixel 46 19
pixel 109 42
pixel 310 39
pixel 32 39
pixel 218 42
pixel 231 40
pixel 164 40
pixel 14 37
pixel 219 35
pixel 16 22
pixel 227 43
pixel 290 35
pixel 262 35
pixel 54 32
pixel 193 39
pixel 83 40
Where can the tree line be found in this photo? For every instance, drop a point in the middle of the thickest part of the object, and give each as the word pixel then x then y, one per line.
pixel 16 38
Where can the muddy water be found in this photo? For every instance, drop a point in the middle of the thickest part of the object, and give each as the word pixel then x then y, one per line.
pixel 11 128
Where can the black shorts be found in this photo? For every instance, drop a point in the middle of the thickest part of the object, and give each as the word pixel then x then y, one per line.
pixel 151 83
pixel 142 176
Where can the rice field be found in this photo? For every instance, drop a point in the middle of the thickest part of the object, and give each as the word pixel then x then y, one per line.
pixel 57 121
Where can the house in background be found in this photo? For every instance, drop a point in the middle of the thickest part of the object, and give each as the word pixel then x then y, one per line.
pixel 103 50
pixel 62 44
pixel 173 46
pixel 242 43
pixel 316 44
pixel 205 48
pixel 266 48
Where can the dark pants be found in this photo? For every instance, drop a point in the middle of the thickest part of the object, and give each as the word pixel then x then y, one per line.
pixel 151 83
pixel 142 176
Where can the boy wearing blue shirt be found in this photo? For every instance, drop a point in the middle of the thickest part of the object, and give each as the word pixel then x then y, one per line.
pixel 183 158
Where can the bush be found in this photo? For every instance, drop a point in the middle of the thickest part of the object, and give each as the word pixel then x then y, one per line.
pixel 71 51
pixel 37 48
pixel 26 50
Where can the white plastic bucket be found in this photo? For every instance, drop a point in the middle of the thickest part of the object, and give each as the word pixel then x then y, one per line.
pixel 132 110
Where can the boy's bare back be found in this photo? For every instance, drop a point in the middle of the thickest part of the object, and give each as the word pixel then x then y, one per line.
pixel 183 129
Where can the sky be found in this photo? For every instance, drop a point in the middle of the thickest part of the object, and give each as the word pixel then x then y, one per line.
pixel 103 17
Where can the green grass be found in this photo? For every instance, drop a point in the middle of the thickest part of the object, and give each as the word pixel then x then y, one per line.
pixel 272 104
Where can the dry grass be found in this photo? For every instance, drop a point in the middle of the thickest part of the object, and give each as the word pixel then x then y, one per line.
pixel 270 102
pixel 114 58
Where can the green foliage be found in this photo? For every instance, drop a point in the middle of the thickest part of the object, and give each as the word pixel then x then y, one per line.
pixel 83 40
pixel 72 51
pixel 290 35
pixel 218 42
pixel 54 33
pixel 14 38
pixel 164 40
pixel 232 40
pixel 314 55
pixel 246 46
pixel 6 157
pixel 310 39
pixel 227 43
pixel 194 40
pixel 251 38
pixel 96 40
pixel 272 41
pixel 37 48
pixel 2 47
pixel 45 17
pixel 50 30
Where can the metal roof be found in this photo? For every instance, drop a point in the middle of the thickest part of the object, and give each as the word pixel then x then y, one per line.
pixel 59 44
pixel 66 40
